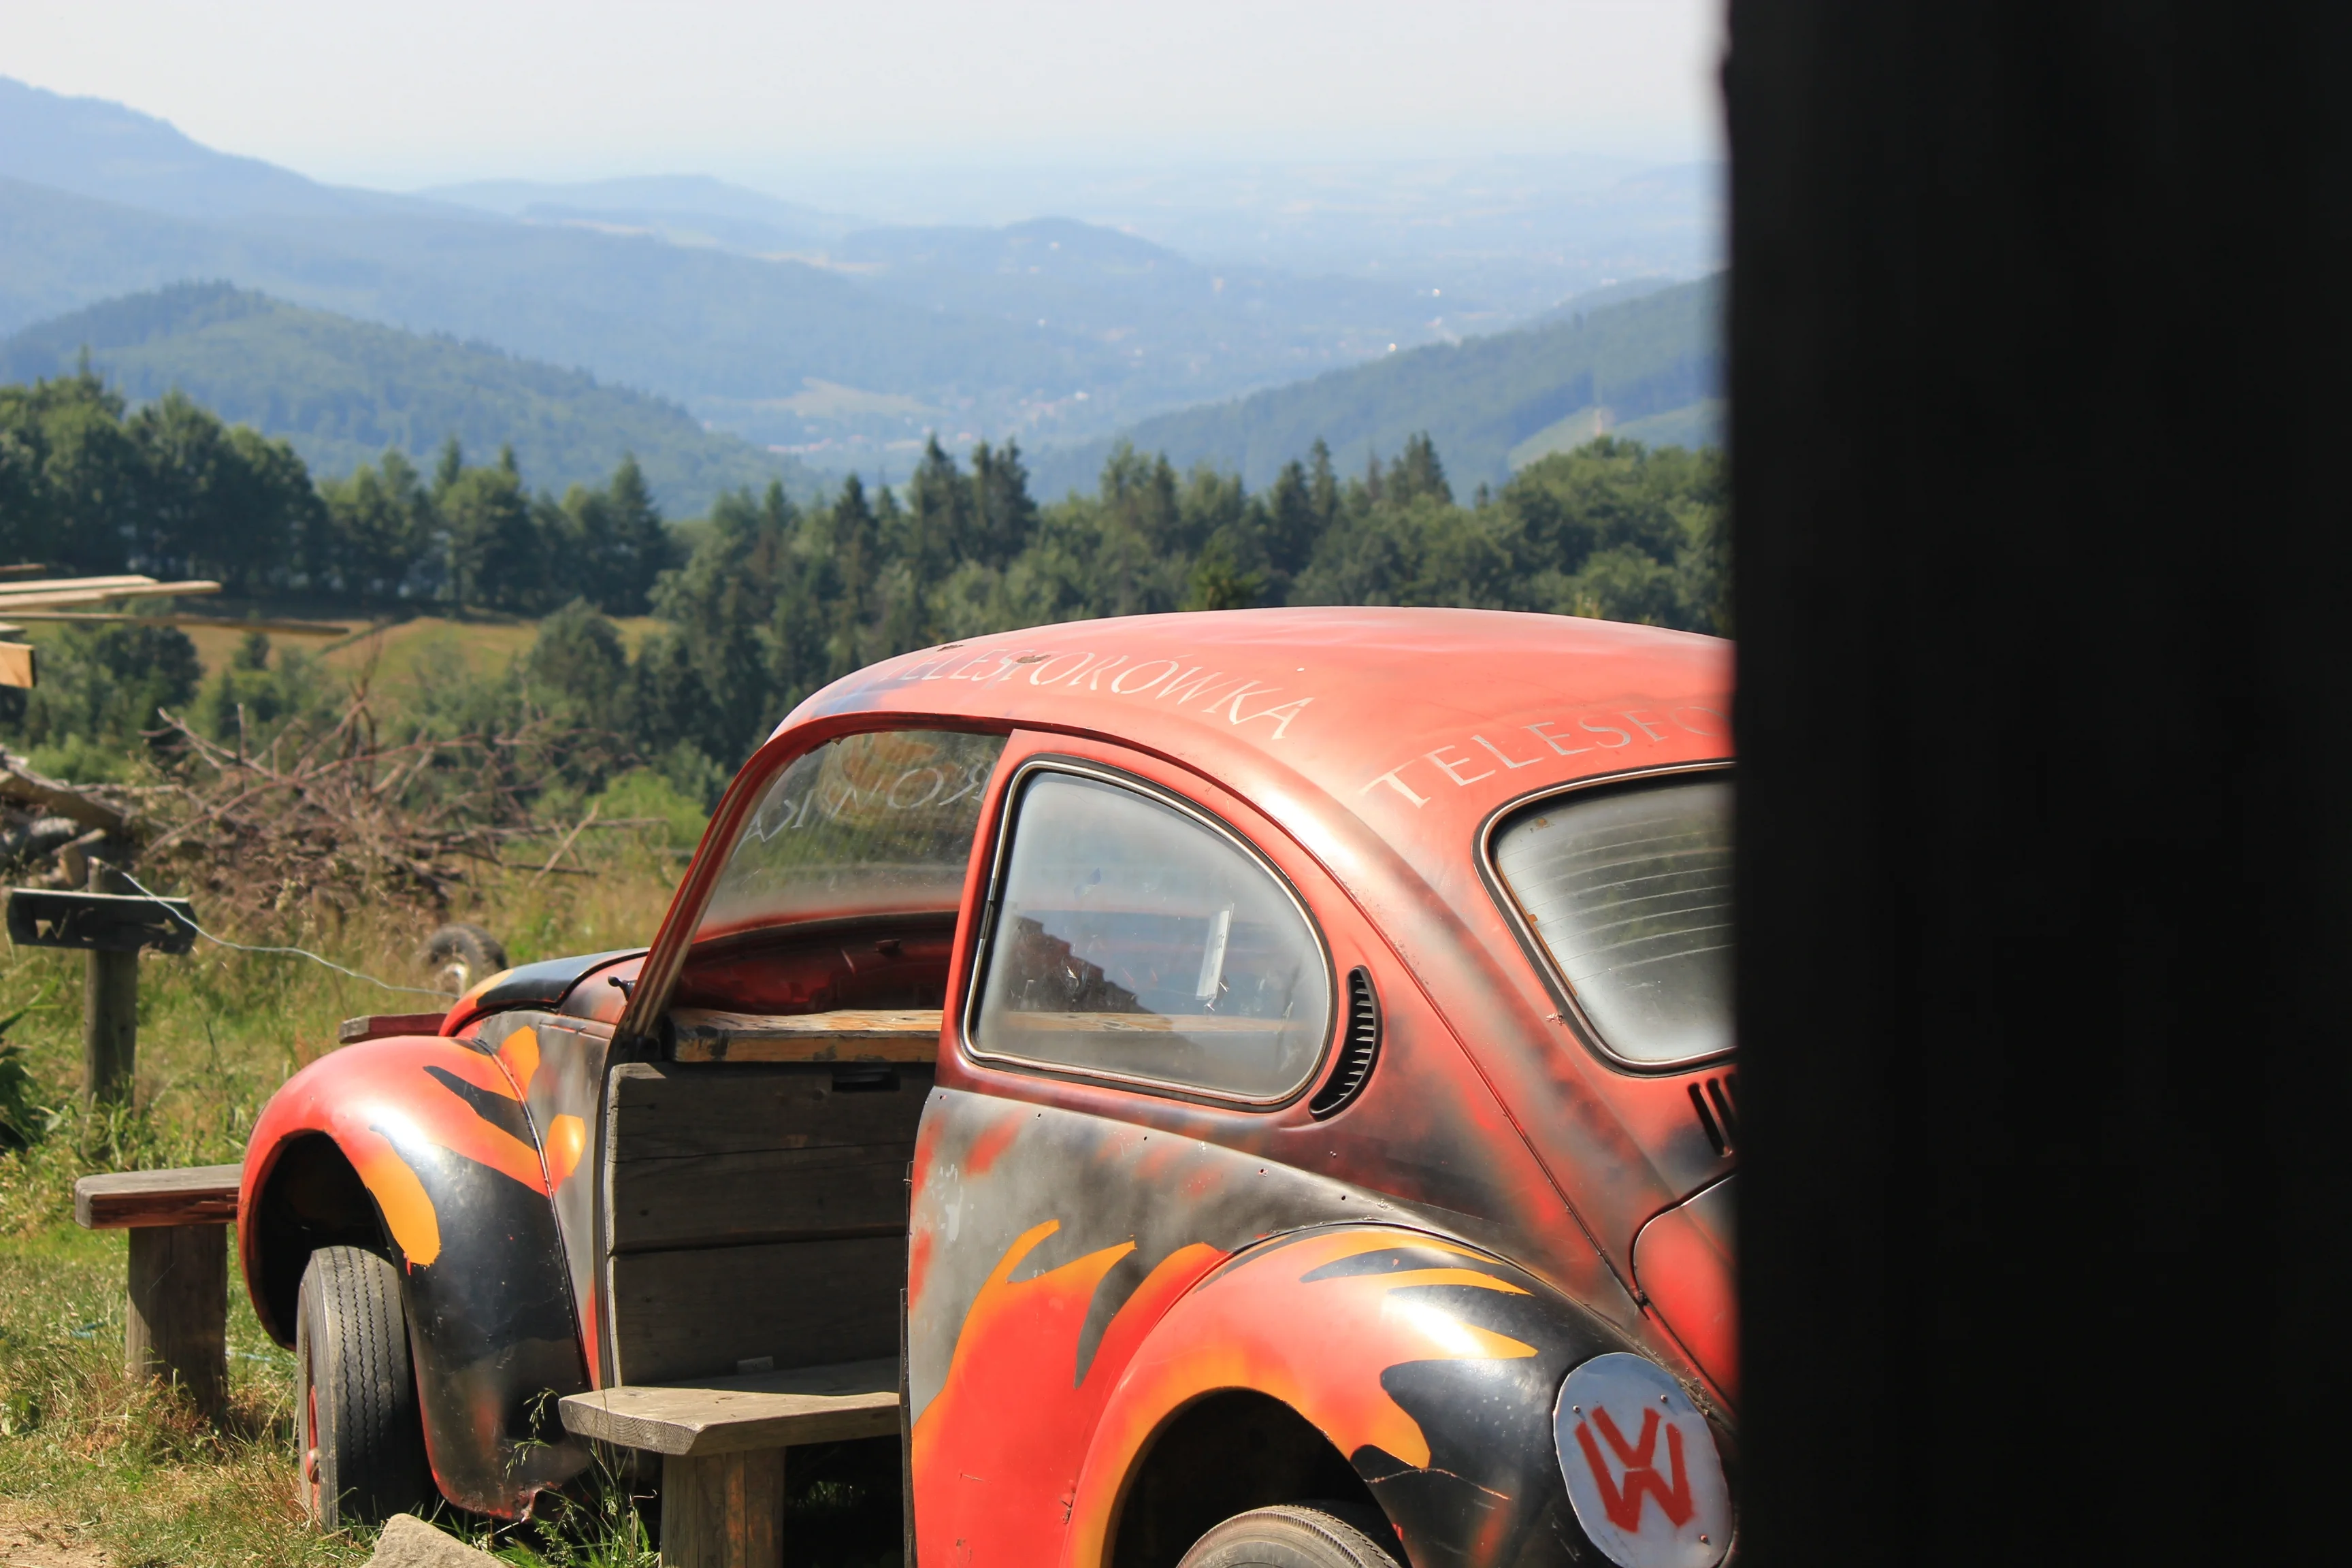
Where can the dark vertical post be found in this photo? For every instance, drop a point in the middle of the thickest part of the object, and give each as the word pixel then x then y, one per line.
pixel 2039 316
pixel 723 1510
pixel 109 1051
pixel 905 1426
pixel 176 1326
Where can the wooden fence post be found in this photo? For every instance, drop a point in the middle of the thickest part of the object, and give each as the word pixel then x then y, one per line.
pixel 110 1039
pixel 111 922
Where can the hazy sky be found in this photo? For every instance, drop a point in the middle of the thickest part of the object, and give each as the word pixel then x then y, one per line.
pixel 433 89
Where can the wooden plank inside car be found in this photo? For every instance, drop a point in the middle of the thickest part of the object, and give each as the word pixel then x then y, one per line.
pixel 908 1035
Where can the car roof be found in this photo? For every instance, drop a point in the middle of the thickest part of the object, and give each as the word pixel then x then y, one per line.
pixel 1417 723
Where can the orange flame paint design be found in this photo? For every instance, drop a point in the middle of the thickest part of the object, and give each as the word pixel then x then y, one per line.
pixel 1019 1460
pixel 1319 1346
pixel 567 1140
pixel 997 1452
pixel 407 1209
pixel 519 1054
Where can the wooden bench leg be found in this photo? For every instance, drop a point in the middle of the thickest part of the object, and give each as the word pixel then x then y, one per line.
pixel 723 1511
pixel 177 1327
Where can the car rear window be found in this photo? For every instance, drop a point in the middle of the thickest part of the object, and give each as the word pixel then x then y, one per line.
pixel 1135 941
pixel 1628 891
pixel 864 825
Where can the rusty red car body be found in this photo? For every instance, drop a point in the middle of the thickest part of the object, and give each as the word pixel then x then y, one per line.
pixel 1132 1308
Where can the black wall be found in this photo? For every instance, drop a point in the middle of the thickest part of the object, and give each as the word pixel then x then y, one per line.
pixel 2040 430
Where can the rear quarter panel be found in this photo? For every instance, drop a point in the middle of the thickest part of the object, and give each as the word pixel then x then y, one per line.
pixel 440 1138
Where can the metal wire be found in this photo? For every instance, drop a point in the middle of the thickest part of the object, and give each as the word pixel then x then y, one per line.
pixel 164 904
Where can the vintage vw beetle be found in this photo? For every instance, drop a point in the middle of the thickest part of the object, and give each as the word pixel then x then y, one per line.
pixel 1270 1071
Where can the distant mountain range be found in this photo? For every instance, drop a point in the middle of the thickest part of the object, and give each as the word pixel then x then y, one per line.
pixel 686 209
pixel 757 314
pixel 808 331
pixel 342 391
pixel 1644 362
pixel 95 148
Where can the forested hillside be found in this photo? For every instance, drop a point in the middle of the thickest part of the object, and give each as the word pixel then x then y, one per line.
pixel 777 600
pixel 1648 368
pixel 89 486
pixel 777 597
pixel 343 392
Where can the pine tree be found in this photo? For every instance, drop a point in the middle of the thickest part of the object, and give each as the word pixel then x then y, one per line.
pixel 628 545
pixel 937 530
pixel 1292 521
pixel 1323 486
pixel 448 468
pixel 1418 474
pixel 1004 516
pixel 495 556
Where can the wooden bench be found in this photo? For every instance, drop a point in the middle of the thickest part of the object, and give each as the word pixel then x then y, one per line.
pixel 722 1443
pixel 176 1324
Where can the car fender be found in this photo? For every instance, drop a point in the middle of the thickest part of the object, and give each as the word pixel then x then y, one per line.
pixel 440 1140
pixel 1431 1366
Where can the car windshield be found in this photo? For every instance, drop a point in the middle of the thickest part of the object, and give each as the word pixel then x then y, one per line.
pixel 864 825
pixel 1629 892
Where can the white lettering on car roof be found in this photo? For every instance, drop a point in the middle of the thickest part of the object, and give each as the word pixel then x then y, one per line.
pixel 1162 679
pixel 1452 762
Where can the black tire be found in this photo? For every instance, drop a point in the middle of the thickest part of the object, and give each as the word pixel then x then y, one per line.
pixel 1298 1535
pixel 359 1441
pixel 458 955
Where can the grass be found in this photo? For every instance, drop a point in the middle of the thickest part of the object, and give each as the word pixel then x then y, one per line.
pixel 484 644
pixel 128 1466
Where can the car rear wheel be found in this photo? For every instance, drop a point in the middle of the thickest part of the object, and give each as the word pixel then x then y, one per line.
pixel 359 1441
pixel 1298 1535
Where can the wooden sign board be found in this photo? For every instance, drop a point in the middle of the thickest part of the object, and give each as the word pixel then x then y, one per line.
pixel 102 922
pixel 16 664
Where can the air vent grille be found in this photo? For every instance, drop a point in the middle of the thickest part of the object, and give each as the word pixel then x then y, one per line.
pixel 1717 1100
pixel 1359 1047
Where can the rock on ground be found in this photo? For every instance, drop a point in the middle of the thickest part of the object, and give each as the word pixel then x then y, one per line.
pixel 408 1542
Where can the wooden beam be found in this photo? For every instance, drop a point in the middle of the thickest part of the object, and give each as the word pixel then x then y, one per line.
pixel 231 623
pixel 99 922
pixel 17 666
pixel 861 1035
pixel 904 1035
pixel 15 598
pixel 64 585
pixel 131 1200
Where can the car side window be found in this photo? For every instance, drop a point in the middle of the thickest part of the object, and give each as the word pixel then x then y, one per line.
pixel 1135 941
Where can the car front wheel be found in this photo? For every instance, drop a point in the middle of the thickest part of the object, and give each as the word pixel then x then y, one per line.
pixel 1297 1535
pixel 359 1440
